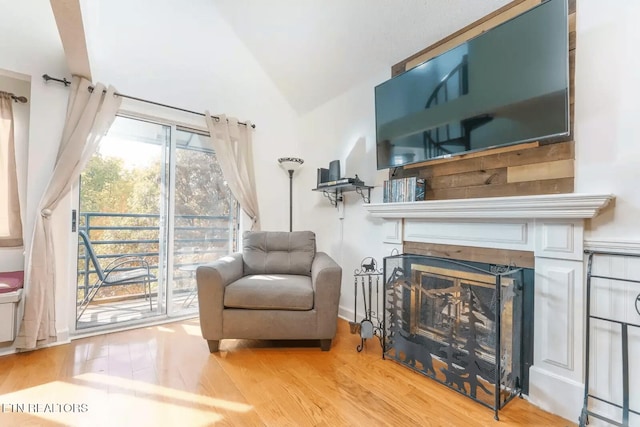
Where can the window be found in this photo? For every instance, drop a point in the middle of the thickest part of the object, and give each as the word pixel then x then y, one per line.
pixel 10 222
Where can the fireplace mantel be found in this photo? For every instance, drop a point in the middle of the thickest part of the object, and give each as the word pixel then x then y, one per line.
pixel 558 206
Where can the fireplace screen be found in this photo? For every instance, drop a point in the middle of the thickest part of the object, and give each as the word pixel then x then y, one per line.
pixel 457 323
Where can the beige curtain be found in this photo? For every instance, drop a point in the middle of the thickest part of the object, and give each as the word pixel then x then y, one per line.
pixel 232 144
pixel 89 116
pixel 10 222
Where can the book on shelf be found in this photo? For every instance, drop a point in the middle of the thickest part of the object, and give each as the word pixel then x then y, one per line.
pixel 401 190
pixel 338 182
pixel 323 176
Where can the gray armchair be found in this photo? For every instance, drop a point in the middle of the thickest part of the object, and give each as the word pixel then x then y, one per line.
pixel 278 288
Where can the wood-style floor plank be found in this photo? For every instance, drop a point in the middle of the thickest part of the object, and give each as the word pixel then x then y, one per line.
pixel 165 376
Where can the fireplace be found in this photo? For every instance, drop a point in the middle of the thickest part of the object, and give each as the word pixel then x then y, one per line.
pixel 546 232
pixel 459 323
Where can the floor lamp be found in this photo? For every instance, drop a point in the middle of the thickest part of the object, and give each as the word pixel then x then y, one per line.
pixel 290 164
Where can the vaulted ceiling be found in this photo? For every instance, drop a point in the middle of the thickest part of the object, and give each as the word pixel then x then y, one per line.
pixel 314 50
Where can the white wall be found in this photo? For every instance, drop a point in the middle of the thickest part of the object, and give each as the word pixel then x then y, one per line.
pixel 31 47
pixel 608 161
pixel 192 59
pixel 606 113
pixel 342 129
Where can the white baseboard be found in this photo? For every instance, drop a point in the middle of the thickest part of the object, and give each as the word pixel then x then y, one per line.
pixel 62 336
pixel 556 394
pixel 345 313
pixel 9 349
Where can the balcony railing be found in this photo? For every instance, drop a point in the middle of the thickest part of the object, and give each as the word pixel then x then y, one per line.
pixel 197 239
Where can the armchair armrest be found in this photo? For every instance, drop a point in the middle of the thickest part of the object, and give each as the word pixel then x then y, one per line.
pixel 211 280
pixel 326 277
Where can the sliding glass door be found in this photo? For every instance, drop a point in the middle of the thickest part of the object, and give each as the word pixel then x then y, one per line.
pixel 153 192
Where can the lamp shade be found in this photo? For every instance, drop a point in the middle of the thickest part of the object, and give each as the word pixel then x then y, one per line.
pixel 290 163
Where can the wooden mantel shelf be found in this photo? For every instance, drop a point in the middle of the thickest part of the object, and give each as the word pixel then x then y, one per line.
pixel 571 205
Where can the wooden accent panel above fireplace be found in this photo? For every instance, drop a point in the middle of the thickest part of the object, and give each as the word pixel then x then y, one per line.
pixel 518 170
pixel 472 253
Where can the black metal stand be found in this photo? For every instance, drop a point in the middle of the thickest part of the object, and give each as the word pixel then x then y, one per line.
pixel 624 326
pixel 371 325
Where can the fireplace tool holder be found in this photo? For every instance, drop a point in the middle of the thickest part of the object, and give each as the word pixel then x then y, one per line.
pixel 368 277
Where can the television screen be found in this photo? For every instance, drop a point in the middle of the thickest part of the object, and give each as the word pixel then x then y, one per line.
pixel 506 86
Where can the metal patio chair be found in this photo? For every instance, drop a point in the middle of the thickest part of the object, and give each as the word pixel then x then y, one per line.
pixel 125 269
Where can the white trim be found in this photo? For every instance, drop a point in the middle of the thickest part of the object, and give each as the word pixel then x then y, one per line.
pixel 554 320
pixel 544 385
pixel 572 205
pixel 345 313
pixel 63 336
pixel 392 232
pixel 561 239
pixel 620 246
pixel 127 326
pixel 497 234
pixel 15 75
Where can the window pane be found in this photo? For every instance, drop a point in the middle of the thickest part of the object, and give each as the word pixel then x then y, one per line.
pixel 205 213
pixel 121 207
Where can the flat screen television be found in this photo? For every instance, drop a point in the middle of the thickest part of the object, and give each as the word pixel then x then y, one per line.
pixel 506 86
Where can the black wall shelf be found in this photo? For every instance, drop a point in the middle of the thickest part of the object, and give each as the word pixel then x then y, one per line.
pixel 334 192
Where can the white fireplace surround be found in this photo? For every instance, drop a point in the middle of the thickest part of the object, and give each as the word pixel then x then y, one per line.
pixel 550 226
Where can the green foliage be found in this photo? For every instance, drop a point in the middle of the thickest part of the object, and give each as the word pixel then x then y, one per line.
pixel 146 190
pixel 200 188
pixel 108 186
pixel 104 185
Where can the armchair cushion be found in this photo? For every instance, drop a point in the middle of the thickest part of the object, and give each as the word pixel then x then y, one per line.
pixel 278 252
pixel 270 292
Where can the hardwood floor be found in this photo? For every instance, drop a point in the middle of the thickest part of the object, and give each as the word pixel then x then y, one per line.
pixel 111 312
pixel 165 376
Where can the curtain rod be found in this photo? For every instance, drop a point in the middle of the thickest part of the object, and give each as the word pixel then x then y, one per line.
pixel 16 98
pixel 66 82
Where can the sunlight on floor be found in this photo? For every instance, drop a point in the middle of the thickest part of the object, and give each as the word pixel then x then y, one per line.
pixel 101 400
pixel 152 389
pixel 193 330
